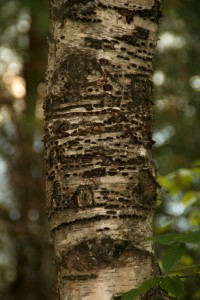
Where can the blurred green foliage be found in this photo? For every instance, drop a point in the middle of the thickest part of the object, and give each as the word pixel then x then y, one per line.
pixel 178 222
pixel 177 105
pixel 177 110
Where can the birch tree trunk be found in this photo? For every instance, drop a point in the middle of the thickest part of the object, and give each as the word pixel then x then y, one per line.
pixel 101 187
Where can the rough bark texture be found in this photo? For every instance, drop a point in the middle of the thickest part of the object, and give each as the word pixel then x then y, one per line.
pixel 101 187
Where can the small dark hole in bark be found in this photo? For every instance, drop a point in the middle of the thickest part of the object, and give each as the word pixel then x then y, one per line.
pixel 112 173
pixel 106 228
pixel 124 174
pixel 103 61
pixel 107 87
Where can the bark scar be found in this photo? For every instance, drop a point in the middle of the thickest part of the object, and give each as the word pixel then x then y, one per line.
pixel 83 197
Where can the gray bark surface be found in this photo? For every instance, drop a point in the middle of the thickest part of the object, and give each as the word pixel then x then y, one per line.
pixel 101 186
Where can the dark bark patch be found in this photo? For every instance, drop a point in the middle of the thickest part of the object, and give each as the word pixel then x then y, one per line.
pixel 94 253
pixel 136 39
pixel 56 194
pixel 129 39
pixel 51 157
pixel 100 43
pixel 107 87
pixel 73 9
pixel 80 277
pixel 146 191
pixel 141 33
pixel 103 61
pixel 76 9
pixel 125 13
pixel 72 3
pixel 154 14
pixel 71 74
pixel 119 248
pixel 141 90
pixel 93 43
pixel 147 186
pixel 60 126
pixel 98 172
pixel 129 17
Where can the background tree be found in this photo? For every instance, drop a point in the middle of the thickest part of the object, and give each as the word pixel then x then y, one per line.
pixel 28 250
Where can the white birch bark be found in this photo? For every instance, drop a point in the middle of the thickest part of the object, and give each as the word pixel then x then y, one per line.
pixel 101 187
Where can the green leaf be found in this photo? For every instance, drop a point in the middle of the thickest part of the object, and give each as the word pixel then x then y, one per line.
pixel 172 256
pixel 192 237
pixel 174 286
pixel 196 171
pixel 177 181
pixel 164 181
pixel 141 290
pixel 185 268
pixel 196 163
pixel 189 198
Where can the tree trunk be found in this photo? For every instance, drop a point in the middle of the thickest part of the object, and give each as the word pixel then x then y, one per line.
pixel 101 187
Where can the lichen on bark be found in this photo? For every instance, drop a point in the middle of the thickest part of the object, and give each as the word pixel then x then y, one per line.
pixel 101 186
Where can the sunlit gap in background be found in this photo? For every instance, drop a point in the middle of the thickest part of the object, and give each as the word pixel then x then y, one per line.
pixel 12 95
pixel 6 197
pixel 169 41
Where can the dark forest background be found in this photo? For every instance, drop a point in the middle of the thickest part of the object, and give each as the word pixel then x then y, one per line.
pixel 27 270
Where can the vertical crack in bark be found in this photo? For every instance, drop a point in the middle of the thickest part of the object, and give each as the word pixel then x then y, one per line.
pixel 101 187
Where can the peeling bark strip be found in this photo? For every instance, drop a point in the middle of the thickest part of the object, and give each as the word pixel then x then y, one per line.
pixel 101 187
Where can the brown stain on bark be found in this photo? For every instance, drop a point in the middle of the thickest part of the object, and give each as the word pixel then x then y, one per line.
pixel 95 254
